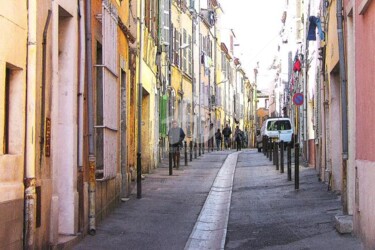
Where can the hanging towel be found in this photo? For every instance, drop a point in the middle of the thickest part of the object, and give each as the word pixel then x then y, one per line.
pixel 315 23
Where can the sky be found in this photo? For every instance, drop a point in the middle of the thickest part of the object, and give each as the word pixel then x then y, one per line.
pixel 256 24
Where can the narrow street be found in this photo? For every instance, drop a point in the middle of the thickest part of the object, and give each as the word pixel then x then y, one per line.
pixel 265 210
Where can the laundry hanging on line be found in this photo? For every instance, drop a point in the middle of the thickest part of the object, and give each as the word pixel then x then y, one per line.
pixel 315 23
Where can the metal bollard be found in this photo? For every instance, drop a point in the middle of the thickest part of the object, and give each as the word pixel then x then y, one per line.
pixel 289 160
pixel 195 150
pixel 186 156
pixel 191 150
pixel 170 160
pixel 270 149
pixel 296 165
pixel 199 148
pixel 281 157
pixel 265 146
pixel 276 157
pixel 202 145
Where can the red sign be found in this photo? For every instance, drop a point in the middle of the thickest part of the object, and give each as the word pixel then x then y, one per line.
pixel 298 99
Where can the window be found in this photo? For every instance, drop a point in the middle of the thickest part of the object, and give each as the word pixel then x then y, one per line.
pixel 176 52
pixel 107 96
pixel 279 125
pixel 151 11
pixel 184 50
pixel 164 6
pixel 6 112
pixel 190 56
pixel 12 104
pixel 188 121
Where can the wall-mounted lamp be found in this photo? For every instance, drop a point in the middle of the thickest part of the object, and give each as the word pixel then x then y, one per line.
pixel 184 46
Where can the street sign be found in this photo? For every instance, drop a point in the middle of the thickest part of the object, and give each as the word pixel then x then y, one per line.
pixel 298 99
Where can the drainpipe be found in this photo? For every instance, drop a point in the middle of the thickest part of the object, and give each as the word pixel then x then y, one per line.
pixel 305 129
pixel 199 75
pixel 81 81
pixel 215 71
pixel 90 111
pixel 30 118
pixel 192 11
pixel 139 153
pixel 344 105
pixel 43 105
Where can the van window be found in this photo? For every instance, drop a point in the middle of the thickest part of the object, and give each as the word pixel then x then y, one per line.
pixel 278 125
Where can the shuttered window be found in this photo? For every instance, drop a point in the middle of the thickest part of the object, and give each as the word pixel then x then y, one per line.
pixel 184 50
pixel 164 9
pixel 108 124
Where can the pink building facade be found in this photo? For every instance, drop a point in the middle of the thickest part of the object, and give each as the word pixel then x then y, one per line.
pixel 364 28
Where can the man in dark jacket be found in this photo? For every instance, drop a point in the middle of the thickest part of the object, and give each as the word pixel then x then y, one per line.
pixel 226 133
pixel 238 136
pixel 218 138
pixel 176 136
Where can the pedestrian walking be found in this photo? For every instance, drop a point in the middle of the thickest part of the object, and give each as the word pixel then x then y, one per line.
pixel 226 133
pixel 218 139
pixel 176 135
pixel 238 136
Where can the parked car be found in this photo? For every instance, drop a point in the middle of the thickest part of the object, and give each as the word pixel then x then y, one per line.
pixel 279 129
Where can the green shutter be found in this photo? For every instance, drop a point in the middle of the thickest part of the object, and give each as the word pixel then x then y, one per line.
pixel 163 115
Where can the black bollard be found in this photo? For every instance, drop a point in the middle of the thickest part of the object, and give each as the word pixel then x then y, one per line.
pixel 186 155
pixel 270 149
pixel 264 145
pixel 289 160
pixel 199 148
pixel 296 166
pixel 281 157
pixel 191 150
pixel 202 145
pixel 276 157
pixel 195 150
pixel 170 160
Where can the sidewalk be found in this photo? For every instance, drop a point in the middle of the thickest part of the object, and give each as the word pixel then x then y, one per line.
pixel 165 216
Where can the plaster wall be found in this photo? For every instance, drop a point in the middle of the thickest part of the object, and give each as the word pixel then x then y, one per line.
pixel 332 52
pixel 364 215
pixel 13 20
pixel 350 45
pixel 365 78
pixel 64 117
pixel 335 132
pixel 364 26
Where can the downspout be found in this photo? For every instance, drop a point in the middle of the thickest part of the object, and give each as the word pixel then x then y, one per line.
pixel 30 118
pixel 43 105
pixel 215 71
pixel 193 65
pixel 305 130
pixel 90 111
pixel 81 82
pixel 140 56
pixel 199 74
pixel 344 105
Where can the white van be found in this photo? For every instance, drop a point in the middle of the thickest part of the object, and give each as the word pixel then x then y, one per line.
pixel 280 129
